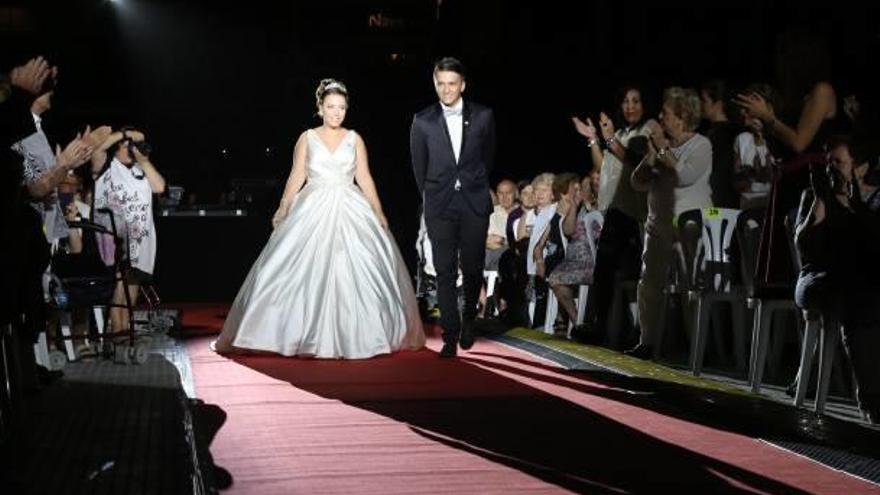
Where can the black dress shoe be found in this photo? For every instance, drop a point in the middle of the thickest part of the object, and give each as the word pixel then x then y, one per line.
pixel 466 339
pixel 585 335
pixel 450 350
pixel 641 351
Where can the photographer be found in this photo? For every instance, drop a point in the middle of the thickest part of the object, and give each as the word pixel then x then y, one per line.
pixel 125 181
pixel 838 241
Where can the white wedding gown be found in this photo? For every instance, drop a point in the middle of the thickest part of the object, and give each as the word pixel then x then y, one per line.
pixel 330 282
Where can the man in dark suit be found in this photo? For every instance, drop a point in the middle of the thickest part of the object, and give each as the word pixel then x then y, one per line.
pixel 452 143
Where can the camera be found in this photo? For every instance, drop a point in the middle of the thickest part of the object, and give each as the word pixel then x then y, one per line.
pixel 142 146
pixel 825 179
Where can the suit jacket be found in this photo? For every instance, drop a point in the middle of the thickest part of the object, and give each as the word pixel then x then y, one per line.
pixel 433 159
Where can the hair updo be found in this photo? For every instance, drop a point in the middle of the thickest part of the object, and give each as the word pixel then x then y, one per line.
pixel 330 87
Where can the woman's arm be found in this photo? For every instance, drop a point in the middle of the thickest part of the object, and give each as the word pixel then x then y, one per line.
pixel 99 156
pixel 157 182
pixel 538 253
pixel 820 105
pixel 588 130
pixel 365 181
pixel 693 164
pixel 569 218
pixel 295 180
pixel 643 175
pixel 74 154
pixel 74 237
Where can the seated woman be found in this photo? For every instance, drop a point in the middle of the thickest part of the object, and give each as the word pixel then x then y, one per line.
pixel 534 223
pixel 833 219
pixel 577 268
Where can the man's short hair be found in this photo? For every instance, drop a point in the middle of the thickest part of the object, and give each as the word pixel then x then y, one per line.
pixel 450 64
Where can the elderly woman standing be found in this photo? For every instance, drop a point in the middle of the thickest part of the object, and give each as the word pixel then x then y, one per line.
pixel 675 173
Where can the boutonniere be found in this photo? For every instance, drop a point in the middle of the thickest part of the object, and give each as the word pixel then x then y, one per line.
pixel 467 123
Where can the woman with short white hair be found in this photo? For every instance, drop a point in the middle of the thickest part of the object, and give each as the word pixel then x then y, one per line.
pixel 675 173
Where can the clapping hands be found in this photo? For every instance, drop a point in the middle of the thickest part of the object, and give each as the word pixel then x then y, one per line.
pixel 75 153
pixel 586 129
pixel 32 76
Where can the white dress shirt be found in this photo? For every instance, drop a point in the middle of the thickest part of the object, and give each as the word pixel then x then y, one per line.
pixel 455 124
pixel 38 122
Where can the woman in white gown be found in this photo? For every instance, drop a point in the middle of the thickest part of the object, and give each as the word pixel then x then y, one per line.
pixel 330 282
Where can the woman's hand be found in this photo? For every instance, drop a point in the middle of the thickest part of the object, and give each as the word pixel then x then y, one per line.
pixel 95 138
pixel 653 128
pixel 138 156
pixel 72 212
pixel 756 106
pixel 74 154
pixel 586 129
pixel 280 214
pixel 382 221
pixel 136 136
pixel 606 125
pixel 565 206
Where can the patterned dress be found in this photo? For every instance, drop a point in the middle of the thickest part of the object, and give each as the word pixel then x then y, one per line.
pixel 577 267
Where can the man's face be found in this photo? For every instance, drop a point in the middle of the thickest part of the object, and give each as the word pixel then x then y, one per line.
pixel 527 196
pixel 842 161
pixel 506 193
pixel 449 86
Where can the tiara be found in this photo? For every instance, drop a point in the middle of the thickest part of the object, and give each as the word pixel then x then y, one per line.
pixel 334 85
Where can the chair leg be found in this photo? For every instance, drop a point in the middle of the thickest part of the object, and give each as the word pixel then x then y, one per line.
pixel 101 318
pixel 552 309
pixel 739 334
pixel 811 334
pixel 41 351
pixel 66 324
pixel 491 278
pixel 583 293
pixel 828 340
pixel 761 355
pixel 701 330
pixel 756 338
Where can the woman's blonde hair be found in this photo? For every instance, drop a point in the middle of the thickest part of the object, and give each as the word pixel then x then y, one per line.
pixel 545 179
